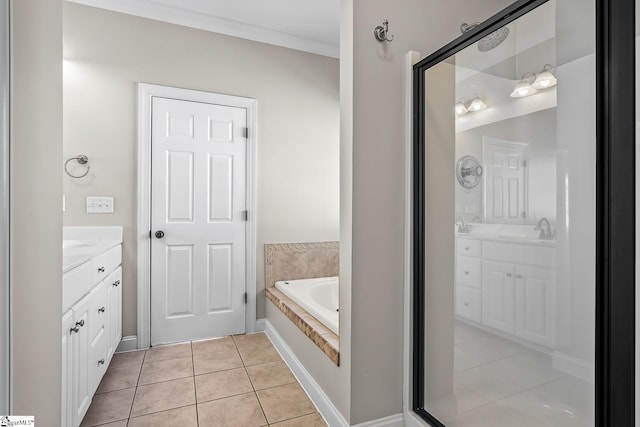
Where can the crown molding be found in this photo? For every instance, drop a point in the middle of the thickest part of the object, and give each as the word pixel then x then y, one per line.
pixel 180 16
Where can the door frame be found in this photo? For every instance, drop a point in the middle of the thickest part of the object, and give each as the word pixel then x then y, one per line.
pixel 146 92
pixel 615 209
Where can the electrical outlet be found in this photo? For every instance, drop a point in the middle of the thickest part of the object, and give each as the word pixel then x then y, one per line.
pixel 99 204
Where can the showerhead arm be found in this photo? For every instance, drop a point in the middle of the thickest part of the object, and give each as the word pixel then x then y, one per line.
pixel 465 28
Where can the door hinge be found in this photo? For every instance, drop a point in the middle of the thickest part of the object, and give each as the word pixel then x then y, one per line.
pixel 245 132
pixel 245 297
pixel 524 163
pixel 245 215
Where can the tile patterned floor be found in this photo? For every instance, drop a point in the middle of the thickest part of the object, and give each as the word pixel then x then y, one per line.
pixel 498 383
pixel 238 381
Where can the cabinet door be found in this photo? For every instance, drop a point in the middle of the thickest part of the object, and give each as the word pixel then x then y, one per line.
pixel 114 305
pixel 81 386
pixel 536 304
pixel 498 295
pixel 67 370
pixel 97 360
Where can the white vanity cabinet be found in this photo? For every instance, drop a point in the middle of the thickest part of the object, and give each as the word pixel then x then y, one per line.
pixel 513 290
pixel 91 327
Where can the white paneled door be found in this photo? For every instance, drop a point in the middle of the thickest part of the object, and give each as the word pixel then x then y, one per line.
pixel 198 202
pixel 504 182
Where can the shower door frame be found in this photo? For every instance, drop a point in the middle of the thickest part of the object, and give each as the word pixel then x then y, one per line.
pixel 615 206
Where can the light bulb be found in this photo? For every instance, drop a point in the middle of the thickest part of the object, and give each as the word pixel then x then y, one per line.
pixel 523 89
pixel 545 80
pixel 461 109
pixel 477 104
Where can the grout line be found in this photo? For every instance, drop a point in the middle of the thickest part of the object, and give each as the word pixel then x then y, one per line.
pixel 158 412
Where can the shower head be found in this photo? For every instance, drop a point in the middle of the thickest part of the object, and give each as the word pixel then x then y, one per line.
pixel 490 41
pixel 493 40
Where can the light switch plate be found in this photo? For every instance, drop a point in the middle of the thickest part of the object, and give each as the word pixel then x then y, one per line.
pixel 99 204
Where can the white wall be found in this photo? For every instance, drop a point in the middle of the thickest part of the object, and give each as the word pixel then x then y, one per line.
pixel 576 136
pixel 107 54
pixel 36 196
pixel 372 182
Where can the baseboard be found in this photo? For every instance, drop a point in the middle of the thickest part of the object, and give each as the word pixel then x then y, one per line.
pixel 332 416
pixel 574 366
pixel 259 325
pixel 129 343
pixel 412 420
pixel 396 420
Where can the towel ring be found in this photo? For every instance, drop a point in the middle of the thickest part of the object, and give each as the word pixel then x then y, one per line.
pixel 81 159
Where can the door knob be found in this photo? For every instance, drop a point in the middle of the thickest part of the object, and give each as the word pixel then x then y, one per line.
pixel 159 234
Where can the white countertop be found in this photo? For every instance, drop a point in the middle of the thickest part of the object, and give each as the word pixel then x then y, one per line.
pixel 77 252
pixel 80 244
pixel 518 239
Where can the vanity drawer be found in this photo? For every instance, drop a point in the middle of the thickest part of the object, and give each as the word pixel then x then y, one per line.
pixel 469 247
pixel 98 313
pixel 469 271
pixel 105 263
pixel 75 284
pixel 468 303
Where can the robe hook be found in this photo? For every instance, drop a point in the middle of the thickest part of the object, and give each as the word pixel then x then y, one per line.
pixel 381 31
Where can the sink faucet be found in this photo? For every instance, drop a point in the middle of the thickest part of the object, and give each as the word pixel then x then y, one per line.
pixel 462 227
pixel 545 232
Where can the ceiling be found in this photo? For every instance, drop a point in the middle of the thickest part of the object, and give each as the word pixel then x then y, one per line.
pixel 307 25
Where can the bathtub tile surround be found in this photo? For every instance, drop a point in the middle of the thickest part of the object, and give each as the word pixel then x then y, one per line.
pixel 230 389
pixel 292 261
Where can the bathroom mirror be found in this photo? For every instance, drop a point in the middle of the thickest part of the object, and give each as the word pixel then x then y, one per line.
pixel 468 171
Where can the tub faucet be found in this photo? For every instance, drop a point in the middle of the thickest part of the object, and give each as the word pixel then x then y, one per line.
pixel 462 227
pixel 545 232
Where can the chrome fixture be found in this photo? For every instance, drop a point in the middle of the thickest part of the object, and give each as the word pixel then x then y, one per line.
pixel 381 32
pixel 491 40
pixel 545 232
pixel 82 160
pixel 462 226
pixel 468 172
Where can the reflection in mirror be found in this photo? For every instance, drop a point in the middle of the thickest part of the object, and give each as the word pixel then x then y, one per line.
pixel 509 220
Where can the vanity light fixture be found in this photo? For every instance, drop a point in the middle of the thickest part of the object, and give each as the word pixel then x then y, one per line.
pixel 524 88
pixel 460 107
pixel 463 106
pixel 546 78
pixel 477 104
